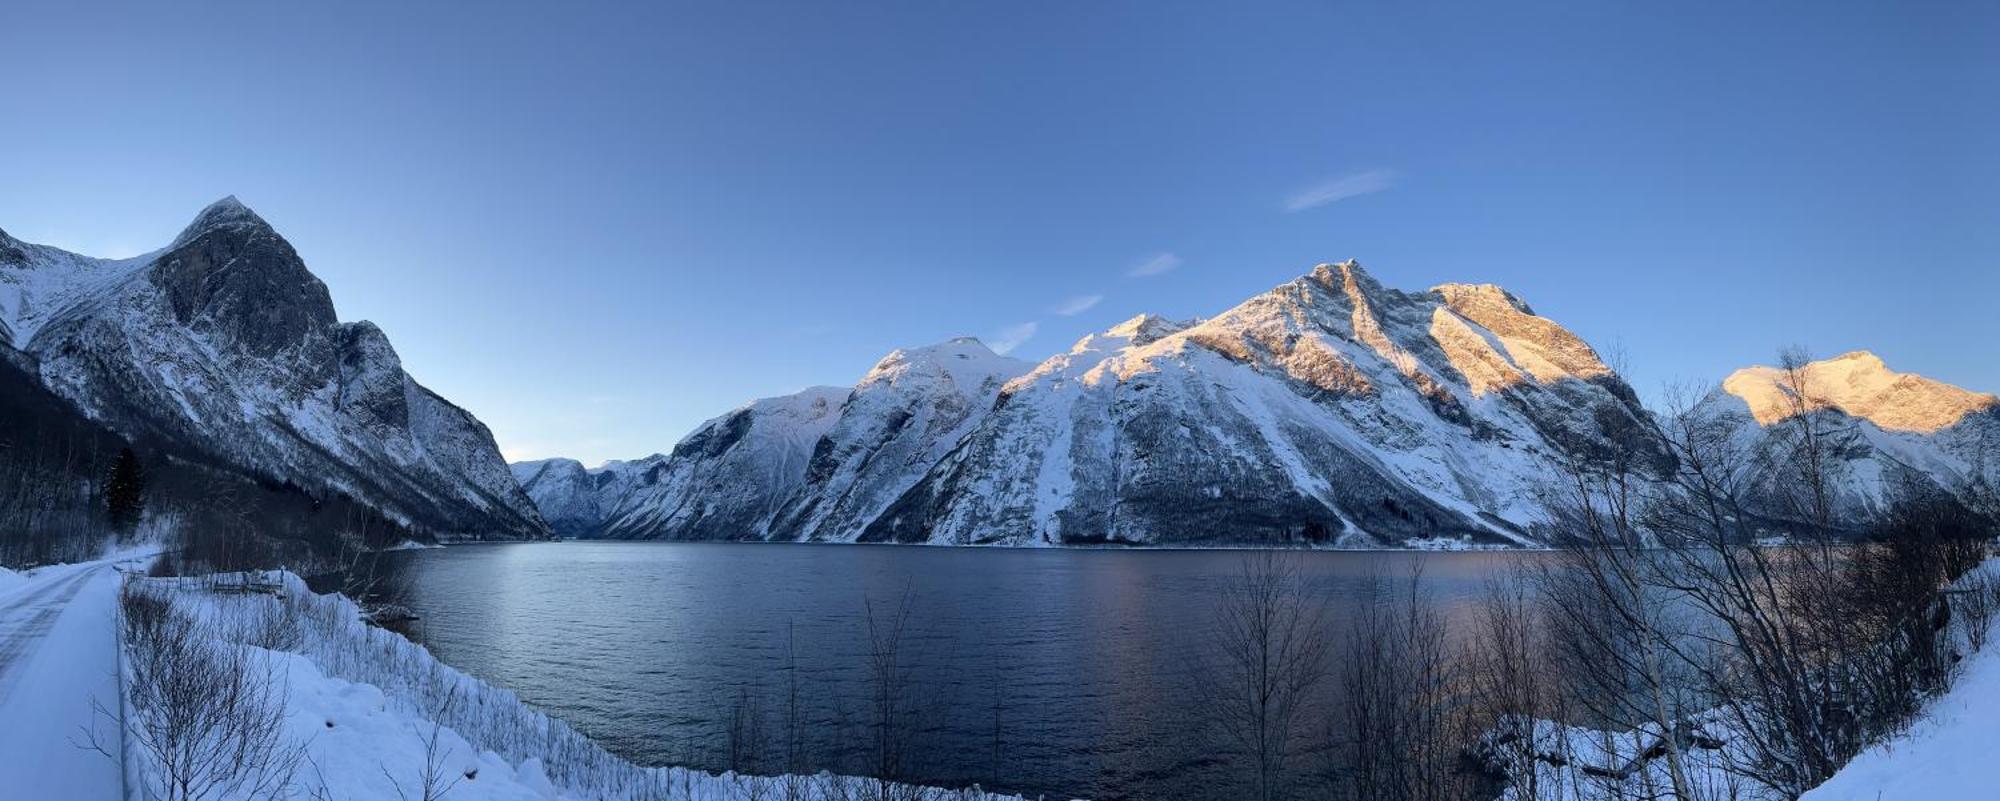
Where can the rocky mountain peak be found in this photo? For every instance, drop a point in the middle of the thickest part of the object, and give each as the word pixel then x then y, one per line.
pixel 230 273
pixel 1458 295
pixel 1859 383
pixel 965 360
pixel 1334 274
pixel 1862 360
pixel 225 214
pixel 225 346
pixel 1146 329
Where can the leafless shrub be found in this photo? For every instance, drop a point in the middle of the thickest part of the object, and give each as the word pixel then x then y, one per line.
pixel 1977 600
pixel 1612 636
pixel 209 715
pixel 1513 684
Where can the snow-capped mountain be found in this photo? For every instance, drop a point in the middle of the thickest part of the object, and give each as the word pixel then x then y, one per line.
pixel 1329 409
pixel 820 464
pixel 904 415
pixel 726 480
pixel 567 494
pixel 225 347
pixel 1889 431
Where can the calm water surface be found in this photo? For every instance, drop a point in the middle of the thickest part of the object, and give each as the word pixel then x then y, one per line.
pixel 1087 654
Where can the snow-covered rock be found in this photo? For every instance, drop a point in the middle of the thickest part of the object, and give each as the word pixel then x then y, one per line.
pixel 227 349
pixel 1888 431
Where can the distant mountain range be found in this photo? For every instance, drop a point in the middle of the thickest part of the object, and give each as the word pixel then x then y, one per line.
pixel 1330 410
pixel 223 345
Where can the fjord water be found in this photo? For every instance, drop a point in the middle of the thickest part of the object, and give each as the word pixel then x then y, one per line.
pixel 1055 672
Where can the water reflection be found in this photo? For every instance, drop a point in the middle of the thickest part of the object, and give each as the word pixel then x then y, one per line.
pixel 1085 653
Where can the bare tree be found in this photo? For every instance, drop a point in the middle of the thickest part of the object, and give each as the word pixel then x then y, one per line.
pixel 746 743
pixel 1401 722
pixel 1268 649
pixel 795 784
pixel 896 715
pixel 1806 443
pixel 1608 613
pixel 1511 678
pixel 1803 667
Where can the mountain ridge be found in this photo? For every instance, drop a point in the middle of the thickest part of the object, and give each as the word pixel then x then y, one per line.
pixel 226 344
pixel 1328 409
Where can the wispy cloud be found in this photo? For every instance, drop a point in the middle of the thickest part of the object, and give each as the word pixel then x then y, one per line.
pixel 1077 305
pixel 1012 336
pixel 1342 188
pixel 1160 263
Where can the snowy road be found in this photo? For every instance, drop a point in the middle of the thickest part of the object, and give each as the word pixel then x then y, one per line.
pixel 58 659
pixel 25 621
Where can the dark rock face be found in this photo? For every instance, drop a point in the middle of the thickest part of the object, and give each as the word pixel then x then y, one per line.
pixel 711 441
pixel 231 276
pixel 225 345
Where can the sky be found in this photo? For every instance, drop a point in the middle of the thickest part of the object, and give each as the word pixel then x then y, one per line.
pixel 596 225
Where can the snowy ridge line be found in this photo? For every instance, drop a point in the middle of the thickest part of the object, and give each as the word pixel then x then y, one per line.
pixel 338 658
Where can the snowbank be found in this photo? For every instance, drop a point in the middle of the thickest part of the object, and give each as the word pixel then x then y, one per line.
pixel 10 581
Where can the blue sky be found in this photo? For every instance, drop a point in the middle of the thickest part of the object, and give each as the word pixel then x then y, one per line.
pixel 595 225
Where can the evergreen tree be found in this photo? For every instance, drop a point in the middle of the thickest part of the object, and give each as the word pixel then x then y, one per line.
pixel 125 491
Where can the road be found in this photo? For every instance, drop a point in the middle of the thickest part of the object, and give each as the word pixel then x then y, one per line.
pixel 58 666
